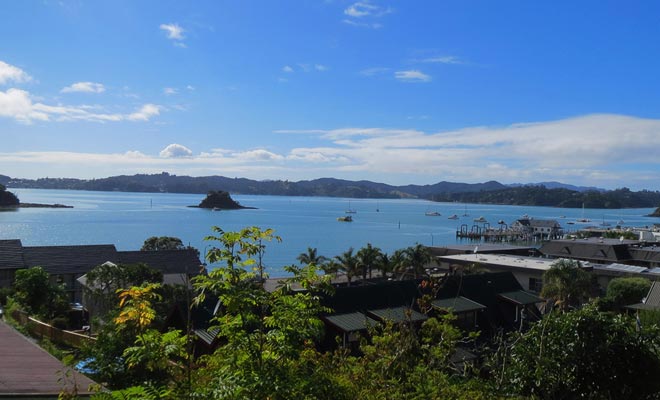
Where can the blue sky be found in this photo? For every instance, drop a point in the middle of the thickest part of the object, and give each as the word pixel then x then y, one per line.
pixel 391 91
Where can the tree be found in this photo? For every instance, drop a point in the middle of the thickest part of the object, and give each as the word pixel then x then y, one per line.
pixel 312 257
pixel 583 354
pixel 105 280
pixel 155 243
pixel 348 263
pixel 368 257
pixel 626 291
pixel 266 334
pixel 35 292
pixel 398 262
pixel 7 199
pixel 566 283
pixel 418 258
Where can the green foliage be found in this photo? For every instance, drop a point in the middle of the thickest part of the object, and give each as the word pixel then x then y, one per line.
pixel 7 199
pixel 626 291
pixel 583 354
pixel 368 258
pixel 566 283
pixel 37 295
pixel 105 280
pixel 265 334
pixel 312 257
pixel 155 243
pixel 219 199
pixel 5 293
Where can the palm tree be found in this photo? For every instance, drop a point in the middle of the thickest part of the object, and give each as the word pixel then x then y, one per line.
pixel 349 264
pixel 418 258
pixel 566 283
pixel 384 264
pixel 398 262
pixel 312 257
pixel 368 259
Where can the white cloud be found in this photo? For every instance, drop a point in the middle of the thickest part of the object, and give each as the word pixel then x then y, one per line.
pixel 412 76
pixel 443 60
pixel 173 31
pixel 10 73
pixel 170 91
pixel 19 105
pixel 175 150
pixel 602 150
pixel 320 67
pixel 287 69
pixel 145 113
pixel 365 8
pixel 190 87
pixel 84 87
pixel 372 25
pixel 374 71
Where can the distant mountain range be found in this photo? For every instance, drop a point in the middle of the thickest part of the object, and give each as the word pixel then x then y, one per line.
pixel 553 194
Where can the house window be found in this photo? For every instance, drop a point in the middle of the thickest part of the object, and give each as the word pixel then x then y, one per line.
pixel 535 284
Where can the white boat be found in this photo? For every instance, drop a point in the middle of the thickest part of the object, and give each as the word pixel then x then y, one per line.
pixel 216 209
pixel 480 219
pixel 350 210
pixel 453 216
pixel 583 219
pixel 432 214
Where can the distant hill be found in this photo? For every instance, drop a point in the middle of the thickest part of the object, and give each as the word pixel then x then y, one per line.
pixel 551 194
pixel 559 185
pixel 329 187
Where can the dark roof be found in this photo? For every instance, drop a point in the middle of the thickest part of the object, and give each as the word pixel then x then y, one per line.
pixel 166 261
pixel 458 304
pixel 208 336
pixel 69 259
pixel 372 296
pixel 11 254
pixel 647 254
pixel 397 315
pixel 26 370
pixel 521 297
pixel 599 250
pixel 351 322
pixel 544 223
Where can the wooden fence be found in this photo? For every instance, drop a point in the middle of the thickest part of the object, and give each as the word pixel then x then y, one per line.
pixel 42 330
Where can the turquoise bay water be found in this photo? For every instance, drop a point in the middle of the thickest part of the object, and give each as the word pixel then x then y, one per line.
pixel 127 219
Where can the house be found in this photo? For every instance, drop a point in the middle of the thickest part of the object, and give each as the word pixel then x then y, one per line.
pixel 593 250
pixel 528 271
pixel 65 264
pixel 542 228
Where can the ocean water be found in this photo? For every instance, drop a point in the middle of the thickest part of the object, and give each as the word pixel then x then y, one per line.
pixel 127 219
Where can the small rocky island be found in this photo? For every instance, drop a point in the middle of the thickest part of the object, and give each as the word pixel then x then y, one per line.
pixel 655 213
pixel 220 200
pixel 9 201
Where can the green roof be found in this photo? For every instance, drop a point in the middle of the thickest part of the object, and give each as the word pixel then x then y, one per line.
pixel 458 304
pixel 351 322
pixel 521 297
pixel 398 314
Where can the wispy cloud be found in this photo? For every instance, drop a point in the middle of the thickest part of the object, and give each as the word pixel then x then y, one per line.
pixel 412 76
pixel 10 73
pixel 18 105
pixel 170 91
pixel 287 69
pixel 174 32
pixel 84 87
pixel 442 60
pixel 365 14
pixel 320 67
pixel 366 8
pixel 374 71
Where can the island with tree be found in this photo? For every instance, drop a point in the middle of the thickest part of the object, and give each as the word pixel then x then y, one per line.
pixel 220 200
pixel 9 200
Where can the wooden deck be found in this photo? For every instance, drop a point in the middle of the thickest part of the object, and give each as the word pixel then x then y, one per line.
pixel 26 370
